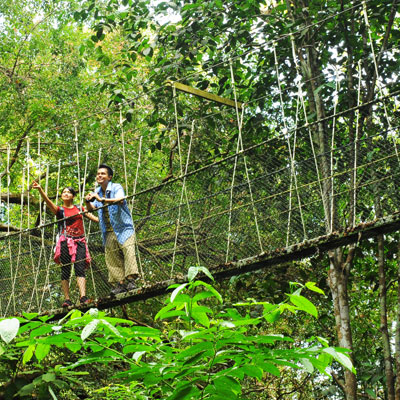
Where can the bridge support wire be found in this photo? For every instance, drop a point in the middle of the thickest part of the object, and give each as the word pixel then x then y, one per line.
pixel 378 80
pixel 184 191
pixel 335 103
pixel 132 204
pixel 239 147
pixel 46 285
pixel 299 85
pixel 356 146
pixel 121 121
pixel 293 173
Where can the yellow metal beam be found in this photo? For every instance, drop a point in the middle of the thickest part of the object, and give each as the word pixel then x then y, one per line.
pixel 205 95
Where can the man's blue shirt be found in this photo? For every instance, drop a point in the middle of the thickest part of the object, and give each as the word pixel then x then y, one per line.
pixel 120 216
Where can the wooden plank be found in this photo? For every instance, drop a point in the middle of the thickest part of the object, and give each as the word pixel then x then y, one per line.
pixel 206 95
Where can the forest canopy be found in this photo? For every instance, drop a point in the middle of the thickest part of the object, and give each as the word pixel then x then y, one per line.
pixel 307 148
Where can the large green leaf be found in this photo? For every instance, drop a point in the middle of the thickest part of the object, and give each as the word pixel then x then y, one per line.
pixel 340 358
pixel 304 304
pixel 89 328
pixel 41 351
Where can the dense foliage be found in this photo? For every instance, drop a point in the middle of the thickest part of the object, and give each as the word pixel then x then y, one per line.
pixel 205 350
pixel 107 64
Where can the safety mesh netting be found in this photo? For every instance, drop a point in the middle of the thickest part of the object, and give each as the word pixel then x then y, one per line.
pixel 252 202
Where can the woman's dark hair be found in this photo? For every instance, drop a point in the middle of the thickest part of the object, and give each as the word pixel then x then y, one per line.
pixel 71 189
pixel 109 169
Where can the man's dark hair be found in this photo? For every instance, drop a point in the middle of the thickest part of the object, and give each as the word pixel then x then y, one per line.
pixel 109 169
pixel 71 190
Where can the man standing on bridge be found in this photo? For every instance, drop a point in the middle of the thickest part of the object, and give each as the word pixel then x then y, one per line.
pixel 117 230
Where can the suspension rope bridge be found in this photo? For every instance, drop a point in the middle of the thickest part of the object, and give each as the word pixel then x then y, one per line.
pixel 286 198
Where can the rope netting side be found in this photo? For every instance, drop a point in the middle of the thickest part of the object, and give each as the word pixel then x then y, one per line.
pixel 213 201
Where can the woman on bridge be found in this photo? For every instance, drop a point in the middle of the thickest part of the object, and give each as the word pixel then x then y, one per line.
pixel 71 247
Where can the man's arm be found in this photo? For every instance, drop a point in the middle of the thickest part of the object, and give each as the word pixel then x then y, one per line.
pixel 91 217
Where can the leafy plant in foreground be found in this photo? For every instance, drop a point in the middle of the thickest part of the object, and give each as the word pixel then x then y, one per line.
pixel 206 352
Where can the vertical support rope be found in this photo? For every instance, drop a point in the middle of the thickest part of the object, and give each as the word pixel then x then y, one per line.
pixel 187 198
pixel 181 172
pixel 47 263
pixel 293 176
pixel 84 179
pixel 35 268
pixel 133 202
pixel 240 139
pixel 77 160
pixel 299 85
pixel 90 222
pixel 123 147
pixel 8 211
pixel 98 163
pixel 356 145
pixel 137 172
pixel 8 188
pixel 14 273
pixel 335 103
pixel 378 82
pixel 42 252
pixel 1 215
pixel 38 177
pixel 177 129
pixel 29 163
pixel 184 191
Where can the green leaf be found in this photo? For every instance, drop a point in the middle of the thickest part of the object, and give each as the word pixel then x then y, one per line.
pixel 273 316
pixel 304 304
pixel 184 392
pixel 112 328
pixel 26 390
pixel 89 328
pixel 311 286
pixel 323 341
pixel 177 291
pixel 30 316
pixel 74 347
pixel 132 348
pixel 174 313
pixel 201 318
pixel 210 288
pixel 307 365
pixel 252 371
pixel 203 295
pixel 371 393
pixel 196 348
pixel 42 330
pixel 194 270
pixel 41 351
pixel 49 377
pixel 268 367
pixel 340 358
pixel 164 310
pixel 28 353
pixel 227 382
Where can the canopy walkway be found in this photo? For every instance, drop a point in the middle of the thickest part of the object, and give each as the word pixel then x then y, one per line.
pixel 254 208
pixel 325 177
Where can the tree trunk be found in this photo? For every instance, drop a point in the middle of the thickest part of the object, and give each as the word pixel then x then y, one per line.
pixel 383 320
pixel 339 267
pixel 397 337
pixel 338 282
